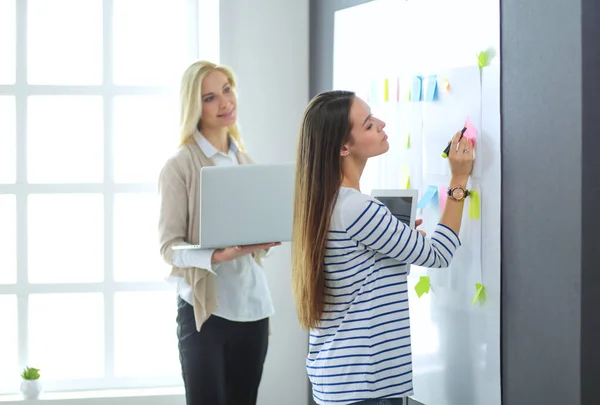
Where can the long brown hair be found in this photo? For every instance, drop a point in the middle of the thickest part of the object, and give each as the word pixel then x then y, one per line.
pixel 324 130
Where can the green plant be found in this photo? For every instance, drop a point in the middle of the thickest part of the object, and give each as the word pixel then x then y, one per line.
pixel 30 373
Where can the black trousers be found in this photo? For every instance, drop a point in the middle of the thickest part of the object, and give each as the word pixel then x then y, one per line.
pixel 223 363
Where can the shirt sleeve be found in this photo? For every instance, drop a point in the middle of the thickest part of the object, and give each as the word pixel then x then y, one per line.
pixel 371 224
pixel 199 258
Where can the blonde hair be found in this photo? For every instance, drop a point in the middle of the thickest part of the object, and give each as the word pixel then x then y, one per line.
pixel 191 100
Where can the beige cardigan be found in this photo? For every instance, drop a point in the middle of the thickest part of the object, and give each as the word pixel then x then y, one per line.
pixel 179 221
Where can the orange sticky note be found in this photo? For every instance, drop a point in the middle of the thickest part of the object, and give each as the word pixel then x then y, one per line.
pixel 446 85
pixel 443 193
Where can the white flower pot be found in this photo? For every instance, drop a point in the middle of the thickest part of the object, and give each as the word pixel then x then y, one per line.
pixel 31 389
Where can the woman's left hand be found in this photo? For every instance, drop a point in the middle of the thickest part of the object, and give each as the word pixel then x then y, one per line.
pixel 418 223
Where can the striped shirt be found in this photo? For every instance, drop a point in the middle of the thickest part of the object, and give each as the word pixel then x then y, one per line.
pixel 361 349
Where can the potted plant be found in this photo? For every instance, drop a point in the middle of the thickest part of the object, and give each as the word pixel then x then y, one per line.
pixel 31 388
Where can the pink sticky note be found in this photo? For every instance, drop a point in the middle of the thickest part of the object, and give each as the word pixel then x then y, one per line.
pixel 443 193
pixel 471 132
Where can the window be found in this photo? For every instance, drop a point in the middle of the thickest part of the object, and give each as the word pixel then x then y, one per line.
pixel 88 115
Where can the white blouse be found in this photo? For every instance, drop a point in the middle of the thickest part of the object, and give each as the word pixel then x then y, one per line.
pixel 242 289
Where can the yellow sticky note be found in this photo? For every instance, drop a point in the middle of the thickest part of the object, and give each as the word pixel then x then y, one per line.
pixel 474 204
pixel 479 294
pixel 423 286
pixel 405 177
pixel 404 87
pixel 405 142
pixel 386 90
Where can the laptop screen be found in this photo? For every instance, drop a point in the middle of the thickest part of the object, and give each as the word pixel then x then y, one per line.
pixel 400 207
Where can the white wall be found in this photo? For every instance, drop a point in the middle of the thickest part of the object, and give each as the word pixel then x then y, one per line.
pixel 266 44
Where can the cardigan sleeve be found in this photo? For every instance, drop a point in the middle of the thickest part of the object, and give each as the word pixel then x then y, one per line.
pixel 173 209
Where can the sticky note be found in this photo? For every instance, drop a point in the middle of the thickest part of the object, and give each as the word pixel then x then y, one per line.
pixel 405 141
pixel 405 177
pixel 474 204
pixel 415 93
pixel 446 85
pixel 404 86
pixel 431 88
pixel 397 98
pixel 479 294
pixel 485 57
pixel 471 131
pixel 386 90
pixel 374 93
pixel 423 286
pixel 443 193
pixel 429 196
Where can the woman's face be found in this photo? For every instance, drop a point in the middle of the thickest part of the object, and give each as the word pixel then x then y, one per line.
pixel 367 137
pixel 219 101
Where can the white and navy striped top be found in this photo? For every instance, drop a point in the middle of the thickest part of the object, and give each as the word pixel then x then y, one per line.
pixel 361 349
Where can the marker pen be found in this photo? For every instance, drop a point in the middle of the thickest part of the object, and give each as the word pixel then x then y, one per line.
pixel 447 150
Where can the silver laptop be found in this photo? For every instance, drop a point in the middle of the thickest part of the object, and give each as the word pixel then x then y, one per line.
pixel 245 205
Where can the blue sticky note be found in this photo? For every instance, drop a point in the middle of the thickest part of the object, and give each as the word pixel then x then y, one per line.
pixel 415 94
pixel 374 92
pixel 429 195
pixel 431 88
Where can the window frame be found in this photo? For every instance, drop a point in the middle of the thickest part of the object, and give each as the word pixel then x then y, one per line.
pixel 21 189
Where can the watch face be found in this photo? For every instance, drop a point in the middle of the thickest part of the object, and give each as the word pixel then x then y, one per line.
pixel 458 193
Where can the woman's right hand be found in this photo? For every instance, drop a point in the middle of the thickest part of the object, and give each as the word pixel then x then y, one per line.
pixel 461 160
pixel 233 252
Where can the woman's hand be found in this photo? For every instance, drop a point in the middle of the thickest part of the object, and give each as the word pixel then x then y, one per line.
pixel 233 252
pixel 461 159
pixel 418 223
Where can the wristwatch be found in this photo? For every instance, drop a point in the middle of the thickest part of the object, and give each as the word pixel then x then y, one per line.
pixel 458 193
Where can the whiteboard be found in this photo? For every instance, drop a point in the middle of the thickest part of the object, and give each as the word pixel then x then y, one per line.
pixel 456 345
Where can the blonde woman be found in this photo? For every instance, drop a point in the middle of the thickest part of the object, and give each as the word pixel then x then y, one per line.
pixel 224 301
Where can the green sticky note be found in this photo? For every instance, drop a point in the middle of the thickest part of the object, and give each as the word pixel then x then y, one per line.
pixel 479 294
pixel 408 141
pixel 423 286
pixel 474 204
pixel 485 57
